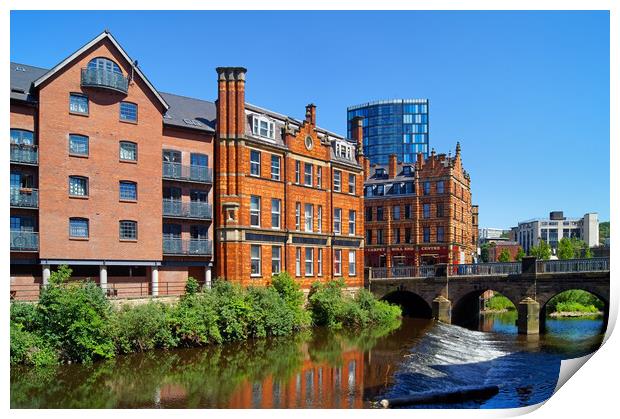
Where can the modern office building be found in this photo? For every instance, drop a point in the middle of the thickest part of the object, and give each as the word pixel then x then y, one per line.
pixel 108 175
pixel 420 214
pixel 529 233
pixel 289 194
pixel 490 233
pixel 398 126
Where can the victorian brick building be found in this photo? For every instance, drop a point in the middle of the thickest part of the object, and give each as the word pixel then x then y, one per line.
pixel 289 194
pixel 108 175
pixel 420 214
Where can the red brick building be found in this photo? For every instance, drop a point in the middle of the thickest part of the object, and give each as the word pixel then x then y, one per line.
pixel 420 214
pixel 498 246
pixel 289 194
pixel 108 175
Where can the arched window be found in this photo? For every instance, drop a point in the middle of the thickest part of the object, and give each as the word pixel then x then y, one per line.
pixel 101 63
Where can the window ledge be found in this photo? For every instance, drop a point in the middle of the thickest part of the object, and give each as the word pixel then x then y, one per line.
pixel 79 238
pixel 78 197
pixel 78 113
pixel 130 201
pixel 128 161
pixel 128 240
pixel 126 121
pixel 81 156
pixel 255 275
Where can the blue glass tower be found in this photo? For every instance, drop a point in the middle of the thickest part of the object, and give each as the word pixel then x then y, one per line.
pixel 398 126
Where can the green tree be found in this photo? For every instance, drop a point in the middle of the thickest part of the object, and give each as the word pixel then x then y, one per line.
pixel 504 256
pixel 484 252
pixel 519 255
pixel 603 231
pixel 566 248
pixel 542 251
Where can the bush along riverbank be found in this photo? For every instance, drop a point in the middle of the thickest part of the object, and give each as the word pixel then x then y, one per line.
pixel 572 303
pixel 74 321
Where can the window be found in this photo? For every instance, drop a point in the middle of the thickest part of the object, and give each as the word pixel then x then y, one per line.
pixel 275 167
pixel 104 64
pixel 408 211
pixel 379 236
pixel 308 216
pixel 439 210
pixel 396 236
pixel 408 235
pixel 368 236
pixel 368 214
pixel 275 212
pixel 440 187
pixel 307 174
pixel 78 227
pixel 338 262
pixel 78 186
pixel 128 190
pixel 309 261
pixel 297 215
pixel 409 189
pixel 254 163
pixel 78 103
pixel 368 191
pixel 129 111
pixel 337 220
pixel 426 231
pixel 297 171
pixel 427 188
pixel 128 151
pixel 298 261
pixel 128 230
pixel 263 127
pixel 255 211
pixel 440 234
pixel 78 145
pixel 379 213
pixel 352 266
pixel 319 219
pixel 22 137
pixel 276 260
pixel 351 223
pixel 319 177
pixel 255 260
pixel 337 180
pixel 351 183
pixel 396 212
pixel 319 262
pixel 426 211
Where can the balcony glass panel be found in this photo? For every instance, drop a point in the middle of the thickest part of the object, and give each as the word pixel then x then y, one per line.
pixel 102 77
pixel 24 240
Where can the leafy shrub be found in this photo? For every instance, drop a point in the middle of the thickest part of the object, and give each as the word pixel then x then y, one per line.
pixel 30 349
pixel 233 310
pixel 583 298
pixel 270 315
pixel 24 314
pixel 143 327
pixel 326 304
pixel 379 312
pixel 571 306
pixel 499 302
pixel 192 286
pixel 194 320
pixel 290 291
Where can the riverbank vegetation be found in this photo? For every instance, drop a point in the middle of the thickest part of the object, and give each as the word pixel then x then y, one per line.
pixel 73 321
pixel 573 303
pixel 498 304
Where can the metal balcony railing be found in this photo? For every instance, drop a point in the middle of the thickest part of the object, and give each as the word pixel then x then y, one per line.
pixel 99 77
pixel 24 154
pixel 404 272
pixel 506 268
pixel 572 265
pixel 196 247
pixel 25 198
pixel 193 209
pixel 24 240
pixel 177 171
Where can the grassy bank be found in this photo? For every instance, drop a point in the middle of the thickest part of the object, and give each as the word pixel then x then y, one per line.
pixel 74 322
pixel 498 304
pixel 572 303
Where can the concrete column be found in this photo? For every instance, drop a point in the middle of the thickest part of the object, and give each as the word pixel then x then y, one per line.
pixel 46 274
pixel 528 319
pixel 208 276
pixel 442 309
pixel 154 281
pixel 103 277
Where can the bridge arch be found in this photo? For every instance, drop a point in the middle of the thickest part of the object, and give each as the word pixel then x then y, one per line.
pixel 544 298
pixel 412 304
pixel 466 306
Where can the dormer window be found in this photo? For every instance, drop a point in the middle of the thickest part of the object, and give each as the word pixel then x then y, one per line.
pixel 380 172
pixel 263 127
pixel 407 171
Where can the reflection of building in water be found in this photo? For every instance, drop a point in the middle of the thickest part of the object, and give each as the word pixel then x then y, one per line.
pixel 315 385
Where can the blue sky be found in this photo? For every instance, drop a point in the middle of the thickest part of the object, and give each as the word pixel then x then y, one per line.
pixel 526 93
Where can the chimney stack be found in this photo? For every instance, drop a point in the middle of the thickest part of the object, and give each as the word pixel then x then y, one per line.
pixel 392 167
pixel 311 114
pixel 358 134
pixel 420 160
pixel 230 101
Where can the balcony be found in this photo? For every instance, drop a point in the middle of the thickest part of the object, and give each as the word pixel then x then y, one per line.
pixel 107 79
pixel 176 171
pixel 194 209
pixel 24 241
pixel 190 247
pixel 27 154
pixel 25 198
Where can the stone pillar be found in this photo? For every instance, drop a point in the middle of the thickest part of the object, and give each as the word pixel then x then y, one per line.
pixel 46 274
pixel 154 281
pixel 208 276
pixel 103 277
pixel 528 313
pixel 528 265
pixel 442 309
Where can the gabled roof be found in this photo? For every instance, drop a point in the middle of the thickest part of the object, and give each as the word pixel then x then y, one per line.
pixel 101 36
pixel 187 112
pixel 22 77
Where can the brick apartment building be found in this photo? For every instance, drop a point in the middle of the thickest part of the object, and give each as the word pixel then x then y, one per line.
pixel 108 175
pixel 420 214
pixel 289 194
pixel 498 246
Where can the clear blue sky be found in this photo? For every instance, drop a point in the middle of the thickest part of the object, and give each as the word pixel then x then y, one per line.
pixel 526 93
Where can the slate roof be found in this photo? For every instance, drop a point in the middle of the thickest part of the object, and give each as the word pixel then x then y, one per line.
pixel 187 112
pixel 22 77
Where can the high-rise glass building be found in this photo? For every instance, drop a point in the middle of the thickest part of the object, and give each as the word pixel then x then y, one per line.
pixel 397 126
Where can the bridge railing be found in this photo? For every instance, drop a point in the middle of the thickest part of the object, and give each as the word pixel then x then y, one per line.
pixel 572 265
pixel 500 268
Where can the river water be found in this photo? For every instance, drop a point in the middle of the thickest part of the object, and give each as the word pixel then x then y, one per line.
pixel 324 369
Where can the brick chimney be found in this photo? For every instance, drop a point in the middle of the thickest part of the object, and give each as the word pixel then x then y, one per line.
pixel 357 134
pixel 392 166
pixel 420 160
pixel 311 114
pixel 230 101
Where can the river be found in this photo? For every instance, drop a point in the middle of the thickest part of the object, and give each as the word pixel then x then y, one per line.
pixel 323 369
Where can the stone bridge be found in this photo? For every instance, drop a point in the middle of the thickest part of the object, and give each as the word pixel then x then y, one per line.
pixel 452 293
